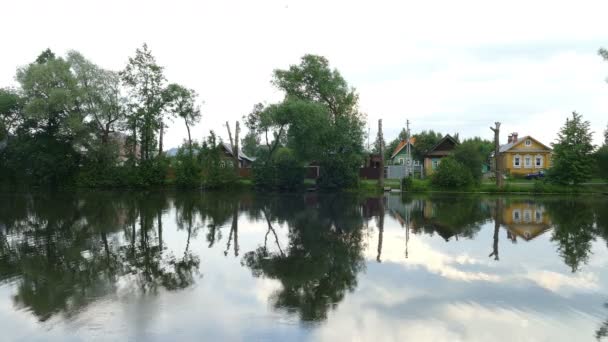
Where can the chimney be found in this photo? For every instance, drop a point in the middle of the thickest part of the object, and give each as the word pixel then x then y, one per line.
pixel 510 139
pixel 514 136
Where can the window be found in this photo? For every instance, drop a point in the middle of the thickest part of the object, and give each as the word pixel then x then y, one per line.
pixel 400 161
pixel 528 142
pixel 527 216
pixel 435 163
pixel 517 161
pixel 516 216
pixel 539 216
pixel 528 161
pixel 538 162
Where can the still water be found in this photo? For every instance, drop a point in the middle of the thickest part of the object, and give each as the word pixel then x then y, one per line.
pixel 154 266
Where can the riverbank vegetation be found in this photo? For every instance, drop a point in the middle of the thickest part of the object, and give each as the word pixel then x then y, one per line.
pixel 73 123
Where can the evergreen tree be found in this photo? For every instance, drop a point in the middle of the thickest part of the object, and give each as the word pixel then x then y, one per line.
pixel 573 161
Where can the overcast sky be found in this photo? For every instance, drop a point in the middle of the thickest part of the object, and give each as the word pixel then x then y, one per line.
pixel 452 66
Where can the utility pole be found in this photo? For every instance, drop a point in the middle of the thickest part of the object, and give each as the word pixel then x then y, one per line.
pixel 381 150
pixel 408 162
pixel 497 164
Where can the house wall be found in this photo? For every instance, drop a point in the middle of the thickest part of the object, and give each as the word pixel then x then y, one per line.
pixel 428 164
pixel 524 213
pixel 532 151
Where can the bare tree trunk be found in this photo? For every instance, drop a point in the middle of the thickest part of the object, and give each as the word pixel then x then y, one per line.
pixel 160 231
pixel 189 138
pixel 236 148
pixel 497 221
pixel 160 139
pixel 380 230
pixel 381 149
pixel 235 145
pixel 135 142
pixel 497 161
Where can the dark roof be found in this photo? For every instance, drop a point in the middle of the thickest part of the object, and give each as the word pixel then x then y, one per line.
pixel 242 155
pixel 443 147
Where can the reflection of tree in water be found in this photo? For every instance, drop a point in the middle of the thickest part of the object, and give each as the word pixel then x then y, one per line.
pixel 144 257
pixel 63 251
pixel 449 217
pixel 323 257
pixel 573 230
pixel 602 331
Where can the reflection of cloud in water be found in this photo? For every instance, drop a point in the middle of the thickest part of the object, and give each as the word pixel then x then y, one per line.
pixel 424 255
pixel 436 311
pixel 564 284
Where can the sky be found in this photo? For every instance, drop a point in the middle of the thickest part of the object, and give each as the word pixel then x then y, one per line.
pixel 451 66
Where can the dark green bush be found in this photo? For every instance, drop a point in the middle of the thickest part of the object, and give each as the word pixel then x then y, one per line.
pixel 451 174
pixel 283 172
pixel 407 184
pixel 187 166
pixel 339 172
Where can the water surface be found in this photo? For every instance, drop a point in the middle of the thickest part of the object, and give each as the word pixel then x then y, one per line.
pixel 154 266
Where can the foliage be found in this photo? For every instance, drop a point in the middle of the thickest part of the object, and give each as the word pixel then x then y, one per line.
pixel 181 102
pixel 473 153
pixel 318 120
pixel 572 153
pixel 145 81
pixel 602 161
pixel 425 140
pixel 11 107
pixel 313 80
pixel 407 183
pixel 573 231
pixel 451 174
pixel 217 170
pixel 283 172
pixel 251 144
pixel 188 166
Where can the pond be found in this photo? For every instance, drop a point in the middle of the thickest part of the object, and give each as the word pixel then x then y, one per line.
pixel 191 266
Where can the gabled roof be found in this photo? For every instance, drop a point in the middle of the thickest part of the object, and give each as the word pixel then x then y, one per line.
pixel 242 155
pixel 433 151
pixel 506 147
pixel 401 145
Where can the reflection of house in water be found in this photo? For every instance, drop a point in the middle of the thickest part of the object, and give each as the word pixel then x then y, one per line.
pixel 441 215
pixel 525 219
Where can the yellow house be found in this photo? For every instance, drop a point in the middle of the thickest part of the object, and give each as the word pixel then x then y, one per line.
pixel 526 220
pixel 524 155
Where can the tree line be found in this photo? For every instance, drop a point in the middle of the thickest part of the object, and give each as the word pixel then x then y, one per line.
pixel 71 120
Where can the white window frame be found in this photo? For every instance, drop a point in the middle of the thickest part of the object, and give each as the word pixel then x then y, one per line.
pixel 527 216
pixel 538 216
pixel 528 142
pixel 528 161
pixel 517 216
pixel 536 159
pixel 517 161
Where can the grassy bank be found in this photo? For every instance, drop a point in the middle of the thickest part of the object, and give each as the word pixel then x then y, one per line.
pixel 511 187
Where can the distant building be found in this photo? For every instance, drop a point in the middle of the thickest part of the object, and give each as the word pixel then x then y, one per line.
pixel 244 160
pixel 399 155
pixel 524 155
pixel 442 149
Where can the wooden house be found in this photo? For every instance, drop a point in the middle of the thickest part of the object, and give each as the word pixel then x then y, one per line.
pixel 442 149
pixel 399 155
pixel 524 155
